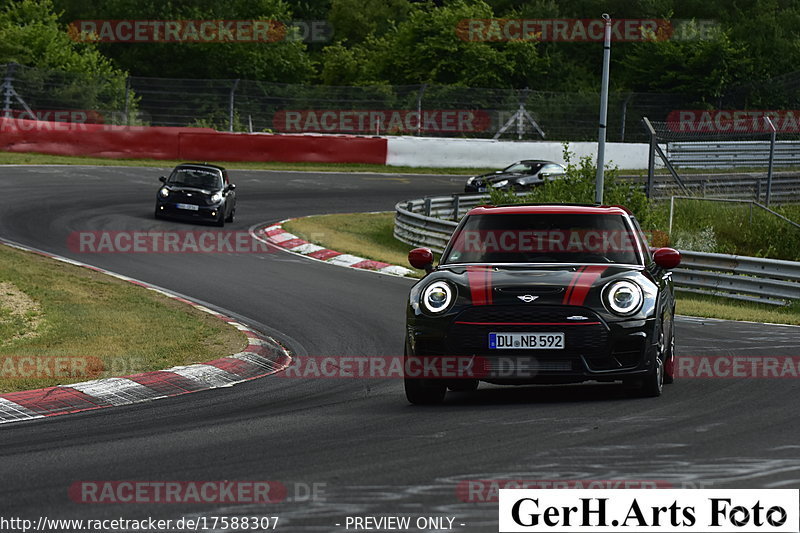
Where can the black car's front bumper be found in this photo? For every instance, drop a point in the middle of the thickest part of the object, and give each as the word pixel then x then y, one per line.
pixel 169 208
pixel 594 349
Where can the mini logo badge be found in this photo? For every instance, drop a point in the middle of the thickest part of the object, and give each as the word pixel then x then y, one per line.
pixel 577 317
pixel 528 298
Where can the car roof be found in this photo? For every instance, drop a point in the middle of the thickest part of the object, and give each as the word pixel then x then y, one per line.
pixel 538 209
pixel 200 165
pixel 536 161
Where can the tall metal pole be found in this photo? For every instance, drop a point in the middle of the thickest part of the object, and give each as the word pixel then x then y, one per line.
pixel 771 158
pixel 601 137
pixel 230 105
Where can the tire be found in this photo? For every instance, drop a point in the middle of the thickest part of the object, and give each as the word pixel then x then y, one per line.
pixel 157 214
pixel 424 392
pixel 463 385
pixel 653 383
pixel 669 358
pixel 220 221
pixel 230 217
pixel 649 386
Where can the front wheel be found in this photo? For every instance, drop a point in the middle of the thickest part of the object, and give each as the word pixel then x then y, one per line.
pixel 669 356
pixel 424 392
pixel 653 383
pixel 220 220
pixel 463 385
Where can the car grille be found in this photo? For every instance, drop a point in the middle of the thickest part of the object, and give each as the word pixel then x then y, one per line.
pixel 470 330
pixel 184 198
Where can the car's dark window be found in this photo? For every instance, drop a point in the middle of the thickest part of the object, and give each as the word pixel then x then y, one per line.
pixel 553 170
pixel 544 238
pixel 643 239
pixel 524 168
pixel 196 177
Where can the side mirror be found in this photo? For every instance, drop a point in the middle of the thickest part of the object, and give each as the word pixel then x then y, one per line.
pixel 667 258
pixel 231 186
pixel 162 179
pixel 421 258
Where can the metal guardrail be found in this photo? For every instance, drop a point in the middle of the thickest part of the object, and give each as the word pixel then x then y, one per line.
pixel 731 154
pixel 430 222
pixel 745 186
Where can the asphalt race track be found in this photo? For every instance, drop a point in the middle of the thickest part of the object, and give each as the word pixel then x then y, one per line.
pixel 369 452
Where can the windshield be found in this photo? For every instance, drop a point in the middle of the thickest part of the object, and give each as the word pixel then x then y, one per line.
pixel 195 177
pixel 543 238
pixel 523 167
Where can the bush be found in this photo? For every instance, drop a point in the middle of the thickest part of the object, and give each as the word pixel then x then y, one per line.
pixel 578 187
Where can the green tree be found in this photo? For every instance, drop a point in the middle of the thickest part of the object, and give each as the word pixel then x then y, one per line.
pixel 66 74
pixel 284 60
pixel 701 69
pixel 356 20
pixel 428 48
pixel 31 35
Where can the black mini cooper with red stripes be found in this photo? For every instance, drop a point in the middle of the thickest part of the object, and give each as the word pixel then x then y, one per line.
pixel 551 294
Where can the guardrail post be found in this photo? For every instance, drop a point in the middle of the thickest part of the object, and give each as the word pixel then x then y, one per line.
pixel 410 206
pixel 456 202
pixel 758 189
pixel 427 207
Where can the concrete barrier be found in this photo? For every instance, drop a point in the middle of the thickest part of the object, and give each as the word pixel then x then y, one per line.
pixel 482 153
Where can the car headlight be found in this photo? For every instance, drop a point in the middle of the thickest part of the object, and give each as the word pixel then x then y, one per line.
pixel 437 297
pixel 623 297
pixel 501 183
pixel 470 180
pixel 164 192
pixel 216 197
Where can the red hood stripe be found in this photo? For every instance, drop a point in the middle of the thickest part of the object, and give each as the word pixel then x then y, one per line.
pixel 480 285
pixel 572 281
pixel 580 287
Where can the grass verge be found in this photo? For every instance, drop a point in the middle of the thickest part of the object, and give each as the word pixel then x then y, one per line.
pixel 370 235
pixel 366 235
pixel 14 158
pixel 65 324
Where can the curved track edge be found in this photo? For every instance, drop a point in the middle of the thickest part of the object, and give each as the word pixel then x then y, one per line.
pixel 263 356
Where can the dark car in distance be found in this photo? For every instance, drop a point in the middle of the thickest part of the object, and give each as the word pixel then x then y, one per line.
pixel 542 294
pixel 197 191
pixel 520 176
